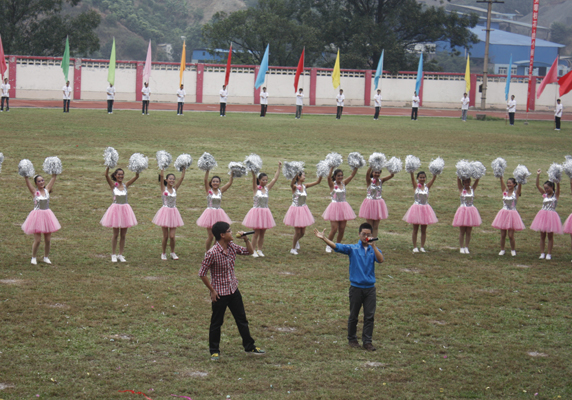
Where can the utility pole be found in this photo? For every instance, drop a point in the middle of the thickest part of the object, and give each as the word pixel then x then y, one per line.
pixel 486 60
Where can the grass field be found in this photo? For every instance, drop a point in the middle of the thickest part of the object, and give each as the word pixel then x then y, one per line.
pixel 448 326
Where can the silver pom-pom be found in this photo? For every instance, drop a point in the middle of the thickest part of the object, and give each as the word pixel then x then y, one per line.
pixel 292 169
pixel 1 161
pixel 183 162
pixel 394 165
pixel 464 169
pixel 206 162
pixel 567 167
pixel 53 165
pixel 520 174
pixel 355 160
pixel 555 173
pixel 253 163
pixel 26 168
pixel 568 157
pixel 163 159
pixel 322 169
pixel 237 169
pixel 334 159
pixel 110 157
pixel 498 166
pixel 436 166
pixel 412 163
pixel 377 161
pixel 478 170
pixel 138 163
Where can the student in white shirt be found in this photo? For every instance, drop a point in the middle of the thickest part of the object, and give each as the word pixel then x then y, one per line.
pixel 299 103
pixel 180 100
pixel 511 108
pixel 223 94
pixel 263 102
pixel 5 95
pixel 110 98
pixel 377 102
pixel 145 98
pixel 558 114
pixel 414 106
pixel 340 101
pixel 67 96
pixel 464 107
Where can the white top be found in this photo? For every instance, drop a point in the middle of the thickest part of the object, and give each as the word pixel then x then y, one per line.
pixel 465 103
pixel 377 100
pixel 181 95
pixel 558 111
pixel 5 88
pixel 415 102
pixel 511 106
pixel 299 99
pixel 340 99
pixel 146 93
pixel 263 97
pixel 67 92
pixel 110 92
pixel 223 95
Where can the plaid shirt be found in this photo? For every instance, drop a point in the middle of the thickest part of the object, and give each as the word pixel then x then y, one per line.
pixel 221 266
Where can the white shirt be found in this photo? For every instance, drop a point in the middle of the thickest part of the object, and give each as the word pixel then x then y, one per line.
pixel 111 93
pixel 299 99
pixel 465 103
pixel 340 100
pixel 263 97
pixel 377 100
pixel 67 92
pixel 223 95
pixel 415 102
pixel 146 93
pixel 511 106
pixel 181 95
pixel 5 89
pixel 558 111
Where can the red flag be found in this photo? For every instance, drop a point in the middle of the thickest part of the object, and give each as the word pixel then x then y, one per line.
pixel 551 77
pixel 227 76
pixel 565 83
pixel 299 70
pixel 530 97
pixel 3 66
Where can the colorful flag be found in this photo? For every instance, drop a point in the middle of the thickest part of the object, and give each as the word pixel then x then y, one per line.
pixel 565 83
pixel 336 72
pixel 66 59
pixel 419 75
pixel 468 75
pixel 379 70
pixel 111 72
pixel 147 67
pixel 551 77
pixel 183 63
pixel 508 78
pixel 530 95
pixel 227 75
pixel 263 68
pixel 299 70
pixel 3 66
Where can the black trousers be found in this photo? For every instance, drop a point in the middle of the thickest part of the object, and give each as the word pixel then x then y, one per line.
pixel 180 107
pixel 66 105
pixel 222 108
pixel 263 108
pixel 511 118
pixel 414 113
pixel 557 121
pixel 145 107
pixel 376 115
pixel 298 111
pixel 236 306
pixel 7 103
pixel 367 298
pixel 339 112
pixel 109 106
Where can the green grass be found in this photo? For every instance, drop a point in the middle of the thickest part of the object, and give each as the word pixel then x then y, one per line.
pixel 447 325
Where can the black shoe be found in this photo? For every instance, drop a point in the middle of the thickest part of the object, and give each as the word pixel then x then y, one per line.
pixel 354 344
pixel 369 347
pixel 257 351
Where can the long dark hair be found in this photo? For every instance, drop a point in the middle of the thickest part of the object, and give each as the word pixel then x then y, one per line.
pixel 421 172
pixel 36 179
pixel 165 180
pixel 260 176
pixel 551 184
pixel 337 171
pixel 513 181
pixel 211 181
pixel 115 173
pixel 298 176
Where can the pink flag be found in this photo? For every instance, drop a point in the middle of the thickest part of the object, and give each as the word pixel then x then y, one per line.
pixel 3 66
pixel 551 77
pixel 228 61
pixel 147 68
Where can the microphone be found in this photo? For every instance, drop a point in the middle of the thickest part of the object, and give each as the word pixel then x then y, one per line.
pixel 238 235
pixel 372 240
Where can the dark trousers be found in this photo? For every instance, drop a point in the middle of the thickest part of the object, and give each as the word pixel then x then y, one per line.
pixel 339 112
pixel 263 108
pixel 145 107
pixel 367 298
pixel 180 107
pixel 298 111
pixel 557 122
pixel 109 106
pixel 236 306
pixel 7 103
pixel 511 118
pixel 376 115
pixel 222 108
pixel 66 105
pixel 414 113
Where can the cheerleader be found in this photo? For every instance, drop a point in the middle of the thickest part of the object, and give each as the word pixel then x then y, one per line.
pixel 213 212
pixel 41 219
pixel 467 215
pixel 373 208
pixel 547 221
pixel 299 215
pixel 259 217
pixel 119 215
pixel 420 213
pixel 508 219
pixel 568 223
pixel 168 217
pixel 339 212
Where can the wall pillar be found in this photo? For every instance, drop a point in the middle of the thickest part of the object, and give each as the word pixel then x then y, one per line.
pixel 420 94
pixel 200 78
pixel 474 90
pixel 12 77
pixel 256 91
pixel 532 99
pixel 313 83
pixel 77 79
pixel 367 90
pixel 139 81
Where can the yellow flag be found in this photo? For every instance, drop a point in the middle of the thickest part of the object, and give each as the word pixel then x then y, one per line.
pixel 468 76
pixel 336 72
pixel 183 64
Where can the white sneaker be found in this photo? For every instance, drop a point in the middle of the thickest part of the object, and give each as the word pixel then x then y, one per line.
pixel 174 256
pixel 164 257
pixel 255 254
pixel 422 250
pixel 548 257
pixel 121 258
pixel 501 253
pixel 513 253
pixel 47 260
pixel 293 251
pixel 297 245
pixel 462 250
pixel 113 258
pixel 34 261
pixel 416 250
pixel 467 250
pixel 260 253
pixel 328 249
pixel 542 256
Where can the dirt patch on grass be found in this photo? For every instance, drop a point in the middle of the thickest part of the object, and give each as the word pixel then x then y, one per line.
pixel 102 256
pixel 58 305
pixel 123 337
pixel 487 290
pixel 154 278
pixel 438 322
pixel 4 386
pixel 283 329
pixel 286 273
pixel 537 354
pixel 12 281
pixel 373 364
pixel 195 374
pixel 522 266
pixel 411 270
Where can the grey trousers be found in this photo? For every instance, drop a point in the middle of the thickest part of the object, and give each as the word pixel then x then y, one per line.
pixel 298 111
pixel 464 116
pixel 367 298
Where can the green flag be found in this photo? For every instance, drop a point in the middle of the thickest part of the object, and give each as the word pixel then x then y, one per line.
pixel 111 73
pixel 66 60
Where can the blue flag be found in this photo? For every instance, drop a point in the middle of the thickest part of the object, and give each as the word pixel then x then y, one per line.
pixel 263 68
pixel 379 70
pixel 508 75
pixel 419 75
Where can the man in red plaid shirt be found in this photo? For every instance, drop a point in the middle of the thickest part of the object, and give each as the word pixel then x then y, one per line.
pixel 223 287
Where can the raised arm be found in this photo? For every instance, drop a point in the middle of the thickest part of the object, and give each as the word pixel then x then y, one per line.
pixel 388 177
pixel 540 188
pixel 162 180
pixel 109 181
pixel 206 181
pixel 254 184
pixel 51 183
pixel 349 178
pixel 293 184
pixel 29 185
pixel 557 193
pixel 519 190
pixel 431 182
pixel 475 184
pixel 180 179
pixel 331 182
pixel 459 184
pixel 413 183
pixel 320 235
pixel 309 185
pixel 276 175
pixel 502 184
pixel 368 176
pixel 228 184
pixel 130 182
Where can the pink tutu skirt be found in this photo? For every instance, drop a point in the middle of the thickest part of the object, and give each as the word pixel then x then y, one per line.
pixel 41 221
pixel 168 218
pixel 568 225
pixel 373 209
pixel 259 218
pixel 119 216
pixel 211 216
pixel 420 215
pixel 467 216
pixel 508 219
pixel 299 217
pixel 547 221
pixel 339 211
